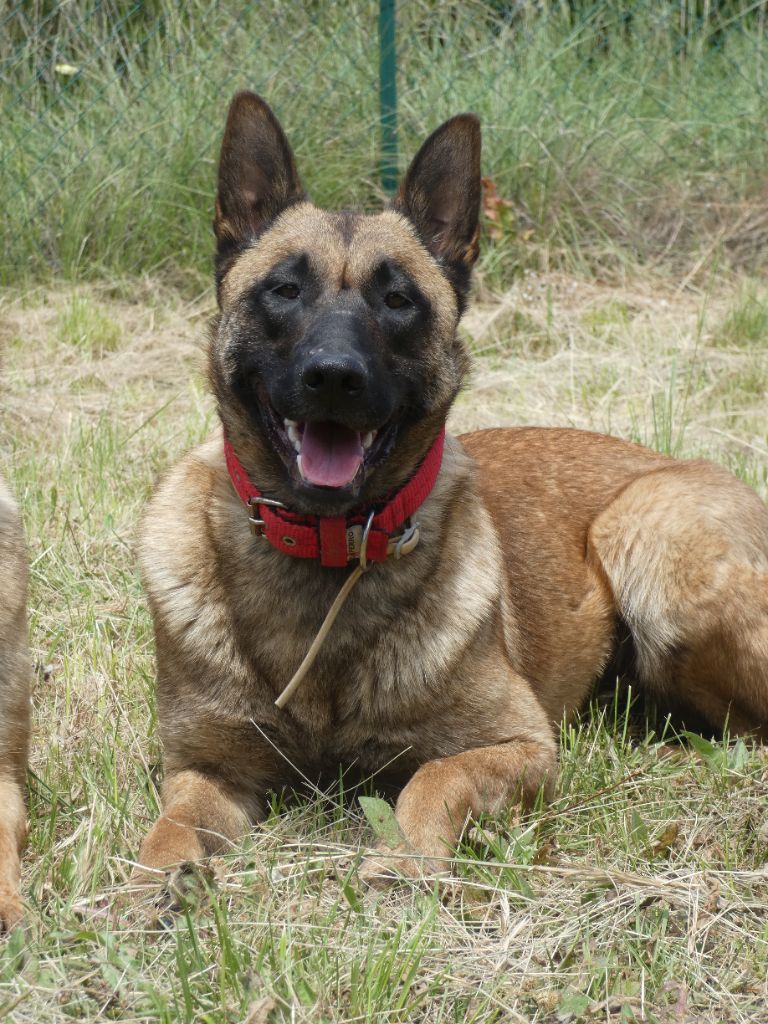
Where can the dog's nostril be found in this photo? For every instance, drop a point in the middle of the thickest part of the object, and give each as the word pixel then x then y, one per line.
pixel 352 383
pixel 312 379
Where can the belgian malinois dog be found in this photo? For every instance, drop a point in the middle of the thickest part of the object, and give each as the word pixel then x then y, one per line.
pixel 14 706
pixel 502 565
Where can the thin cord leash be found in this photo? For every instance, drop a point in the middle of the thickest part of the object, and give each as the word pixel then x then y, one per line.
pixel 309 658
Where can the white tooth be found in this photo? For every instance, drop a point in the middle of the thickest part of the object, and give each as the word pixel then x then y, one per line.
pixel 368 438
pixel 294 435
pixel 298 464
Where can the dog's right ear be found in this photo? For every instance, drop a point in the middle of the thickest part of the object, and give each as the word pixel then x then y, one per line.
pixel 257 174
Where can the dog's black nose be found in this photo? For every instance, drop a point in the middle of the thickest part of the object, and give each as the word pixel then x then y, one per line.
pixel 334 376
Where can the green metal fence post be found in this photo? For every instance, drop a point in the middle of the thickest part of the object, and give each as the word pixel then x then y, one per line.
pixel 388 94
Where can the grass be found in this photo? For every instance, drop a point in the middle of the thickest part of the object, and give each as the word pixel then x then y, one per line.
pixel 82 323
pixel 747 322
pixel 608 147
pixel 638 894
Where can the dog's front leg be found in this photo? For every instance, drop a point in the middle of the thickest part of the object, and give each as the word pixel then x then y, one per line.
pixel 444 794
pixel 202 815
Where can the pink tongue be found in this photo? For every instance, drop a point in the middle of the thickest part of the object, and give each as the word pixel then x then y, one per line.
pixel 330 454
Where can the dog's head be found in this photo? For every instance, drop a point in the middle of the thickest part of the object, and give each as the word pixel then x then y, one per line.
pixel 335 357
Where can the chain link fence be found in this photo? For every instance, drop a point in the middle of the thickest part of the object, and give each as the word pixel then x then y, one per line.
pixel 614 131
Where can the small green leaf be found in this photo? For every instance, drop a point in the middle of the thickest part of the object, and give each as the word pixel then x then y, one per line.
pixel 713 755
pixel 351 897
pixel 639 831
pixel 738 756
pixel 573 1002
pixel 304 991
pixel 381 818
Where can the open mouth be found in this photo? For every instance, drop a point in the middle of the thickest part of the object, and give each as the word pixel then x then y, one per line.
pixel 328 454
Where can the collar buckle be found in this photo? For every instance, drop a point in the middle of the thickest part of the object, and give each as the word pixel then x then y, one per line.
pixel 258 526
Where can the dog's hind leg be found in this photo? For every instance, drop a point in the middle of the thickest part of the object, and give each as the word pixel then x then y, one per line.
pixel 685 551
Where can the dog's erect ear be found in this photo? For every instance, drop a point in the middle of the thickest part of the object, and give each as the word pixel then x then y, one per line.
pixel 257 173
pixel 440 193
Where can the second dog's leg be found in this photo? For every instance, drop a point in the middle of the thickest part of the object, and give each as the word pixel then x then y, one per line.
pixel 13 829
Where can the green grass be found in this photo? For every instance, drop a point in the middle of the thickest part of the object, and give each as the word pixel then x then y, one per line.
pixel 638 894
pixel 746 324
pixel 635 152
pixel 83 323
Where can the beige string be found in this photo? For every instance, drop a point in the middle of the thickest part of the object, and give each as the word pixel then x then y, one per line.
pixel 403 546
pixel 317 643
pixel 330 618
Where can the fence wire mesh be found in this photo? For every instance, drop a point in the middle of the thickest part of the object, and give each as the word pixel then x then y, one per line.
pixel 613 130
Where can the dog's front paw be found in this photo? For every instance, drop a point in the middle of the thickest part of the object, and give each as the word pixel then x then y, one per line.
pixel 11 909
pixel 386 866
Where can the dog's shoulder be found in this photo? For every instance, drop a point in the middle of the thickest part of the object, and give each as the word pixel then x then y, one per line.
pixel 177 540
pixel 14 656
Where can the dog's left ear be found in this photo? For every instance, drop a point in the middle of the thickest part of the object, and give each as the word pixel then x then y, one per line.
pixel 440 195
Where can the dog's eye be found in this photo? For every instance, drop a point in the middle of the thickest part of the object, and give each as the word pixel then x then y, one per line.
pixel 287 291
pixel 396 300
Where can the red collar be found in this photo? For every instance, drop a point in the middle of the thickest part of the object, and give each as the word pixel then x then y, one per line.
pixel 337 540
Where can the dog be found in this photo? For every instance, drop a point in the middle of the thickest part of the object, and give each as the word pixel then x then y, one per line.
pixel 501 567
pixel 14 707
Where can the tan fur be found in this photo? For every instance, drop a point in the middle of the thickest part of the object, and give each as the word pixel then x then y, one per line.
pixel 450 669
pixel 14 707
